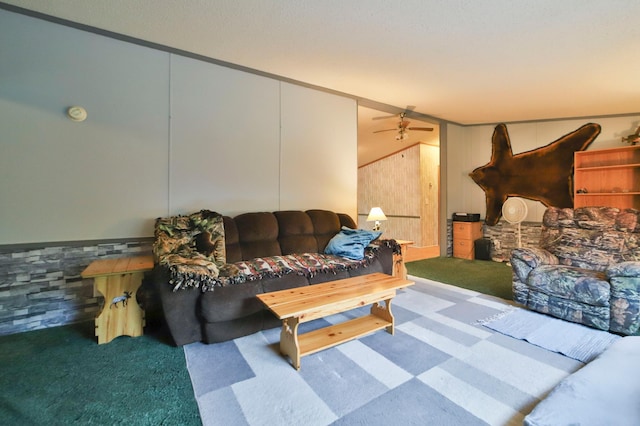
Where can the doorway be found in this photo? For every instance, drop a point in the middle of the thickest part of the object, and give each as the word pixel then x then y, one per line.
pixel 400 174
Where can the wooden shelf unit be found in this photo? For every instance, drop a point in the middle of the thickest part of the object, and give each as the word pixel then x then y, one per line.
pixel 611 177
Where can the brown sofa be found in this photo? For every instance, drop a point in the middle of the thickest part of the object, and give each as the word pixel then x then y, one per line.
pixel 213 299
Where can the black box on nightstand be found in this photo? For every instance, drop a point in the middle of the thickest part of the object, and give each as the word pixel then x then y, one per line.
pixel 466 217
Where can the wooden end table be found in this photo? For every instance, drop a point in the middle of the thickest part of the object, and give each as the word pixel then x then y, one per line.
pixel 118 280
pixel 297 305
pixel 399 268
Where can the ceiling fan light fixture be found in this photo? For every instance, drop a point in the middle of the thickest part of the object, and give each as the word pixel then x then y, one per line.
pixel 402 136
pixel 403 127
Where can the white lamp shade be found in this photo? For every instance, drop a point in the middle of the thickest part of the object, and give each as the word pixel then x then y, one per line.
pixel 376 213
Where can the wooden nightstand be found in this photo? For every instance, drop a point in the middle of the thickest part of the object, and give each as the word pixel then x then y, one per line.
pixel 118 280
pixel 399 268
pixel 464 235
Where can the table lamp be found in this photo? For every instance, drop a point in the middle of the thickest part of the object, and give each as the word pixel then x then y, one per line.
pixel 376 214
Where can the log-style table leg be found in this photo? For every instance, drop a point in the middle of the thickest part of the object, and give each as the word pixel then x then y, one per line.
pixel 384 313
pixel 289 340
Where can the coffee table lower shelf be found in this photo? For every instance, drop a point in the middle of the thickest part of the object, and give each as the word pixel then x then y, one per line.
pixel 318 340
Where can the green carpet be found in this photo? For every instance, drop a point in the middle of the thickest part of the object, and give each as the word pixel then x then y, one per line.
pixel 493 278
pixel 62 376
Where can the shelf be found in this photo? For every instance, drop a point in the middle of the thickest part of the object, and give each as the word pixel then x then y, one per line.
pixel 608 167
pixel 317 340
pixel 602 171
pixel 627 155
pixel 599 194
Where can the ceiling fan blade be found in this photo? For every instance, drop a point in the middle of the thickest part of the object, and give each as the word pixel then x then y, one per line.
pixel 423 129
pixel 384 117
pixel 386 130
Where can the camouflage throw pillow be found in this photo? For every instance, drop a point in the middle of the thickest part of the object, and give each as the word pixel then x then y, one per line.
pixel 191 245
pixel 209 235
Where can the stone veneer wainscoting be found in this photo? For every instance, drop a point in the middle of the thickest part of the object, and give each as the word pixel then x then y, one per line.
pixel 40 284
pixel 507 235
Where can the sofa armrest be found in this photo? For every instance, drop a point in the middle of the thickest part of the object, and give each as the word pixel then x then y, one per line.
pixel 624 278
pixel 180 309
pixel 524 260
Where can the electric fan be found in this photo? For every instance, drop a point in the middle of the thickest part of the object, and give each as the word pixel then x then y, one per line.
pixel 514 211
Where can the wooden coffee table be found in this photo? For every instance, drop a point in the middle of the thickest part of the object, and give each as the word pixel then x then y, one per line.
pixel 302 304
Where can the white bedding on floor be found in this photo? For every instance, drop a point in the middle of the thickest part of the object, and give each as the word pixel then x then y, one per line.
pixel 604 392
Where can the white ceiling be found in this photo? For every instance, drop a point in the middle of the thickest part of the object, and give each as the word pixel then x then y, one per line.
pixel 373 146
pixel 465 61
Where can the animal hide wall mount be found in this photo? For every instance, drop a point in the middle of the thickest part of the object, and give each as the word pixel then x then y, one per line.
pixel 544 174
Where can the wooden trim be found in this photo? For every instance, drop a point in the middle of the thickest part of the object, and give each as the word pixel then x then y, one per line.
pixel 419 253
pixel 394 153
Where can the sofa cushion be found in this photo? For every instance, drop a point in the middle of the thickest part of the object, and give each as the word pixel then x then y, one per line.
pixel 569 310
pixel 284 282
pixel 230 302
pixel 258 235
pixel 591 237
pixel 567 282
pixel 326 224
pixel 296 232
pixel 345 220
pixel 591 249
pixel 232 240
pixel 221 331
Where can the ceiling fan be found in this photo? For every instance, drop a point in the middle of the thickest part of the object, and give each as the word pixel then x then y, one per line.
pixel 403 128
pixel 633 139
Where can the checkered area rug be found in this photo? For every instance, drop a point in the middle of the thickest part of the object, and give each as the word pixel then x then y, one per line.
pixel 440 367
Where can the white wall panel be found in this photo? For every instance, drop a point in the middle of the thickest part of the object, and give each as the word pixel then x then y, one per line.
pixel 319 151
pixel 459 159
pixel 224 151
pixel 166 134
pixel 61 180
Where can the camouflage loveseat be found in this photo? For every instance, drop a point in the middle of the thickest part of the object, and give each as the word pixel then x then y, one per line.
pixel 210 267
pixel 586 270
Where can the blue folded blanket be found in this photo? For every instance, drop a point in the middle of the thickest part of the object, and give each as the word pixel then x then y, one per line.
pixel 350 243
